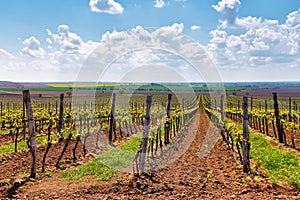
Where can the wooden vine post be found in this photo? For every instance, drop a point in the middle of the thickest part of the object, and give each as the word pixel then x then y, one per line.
pixel 1 109
pixel 167 124
pixel 182 111
pixel 32 133
pixel 145 134
pixel 112 118
pixel 245 144
pixel 238 109
pixel 215 104
pixel 24 121
pixel 276 110
pixel 61 117
pixel 61 111
pixel 251 115
pixel 266 118
pixel 56 106
pixel 291 119
pixel 222 109
pixel 290 109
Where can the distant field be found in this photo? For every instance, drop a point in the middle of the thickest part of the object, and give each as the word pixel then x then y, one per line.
pixel 82 85
pixel 246 88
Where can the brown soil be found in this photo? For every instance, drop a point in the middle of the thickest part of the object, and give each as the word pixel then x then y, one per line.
pixel 6 139
pixel 216 176
pixel 15 167
pixel 283 92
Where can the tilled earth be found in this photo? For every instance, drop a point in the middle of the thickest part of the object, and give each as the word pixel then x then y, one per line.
pixel 215 176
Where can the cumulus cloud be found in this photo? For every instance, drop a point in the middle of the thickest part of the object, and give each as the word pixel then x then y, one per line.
pixel 67 47
pixel 6 54
pixel 259 45
pixel 293 19
pixel 174 27
pixel 66 52
pixel 32 48
pixel 195 27
pixel 69 42
pixel 106 6
pixel 228 10
pixel 113 35
pixel 259 60
pixel 122 52
pixel 264 42
pixel 159 4
pixel 218 36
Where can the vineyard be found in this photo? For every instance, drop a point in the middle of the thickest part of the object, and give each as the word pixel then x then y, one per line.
pixel 279 119
pixel 143 145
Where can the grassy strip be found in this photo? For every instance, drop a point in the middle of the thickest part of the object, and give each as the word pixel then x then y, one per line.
pixel 4 132
pixel 275 163
pixel 108 163
pixel 23 144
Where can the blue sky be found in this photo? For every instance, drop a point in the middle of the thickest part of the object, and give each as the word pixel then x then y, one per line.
pixel 247 40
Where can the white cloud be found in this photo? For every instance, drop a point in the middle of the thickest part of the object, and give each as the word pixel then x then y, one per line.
pixel 68 41
pixel 259 60
pixel 293 19
pixel 60 61
pixel 174 27
pixel 195 27
pixel 49 42
pixel 113 35
pixel 264 42
pixel 106 6
pixel 67 47
pixel 123 52
pixel 228 10
pixel 67 52
pixel 259 45
pixel 247 22
pixel 218 36
pixel 159 4
pixel 32 48
pixel 6 54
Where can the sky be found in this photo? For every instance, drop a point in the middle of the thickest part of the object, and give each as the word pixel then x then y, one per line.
pixel 57 40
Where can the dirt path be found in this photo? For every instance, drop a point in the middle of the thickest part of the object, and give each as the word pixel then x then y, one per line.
pixel 216 176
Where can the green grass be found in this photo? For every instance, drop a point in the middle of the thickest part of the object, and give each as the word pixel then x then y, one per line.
pixel 108 163
pixel 23 144
pixel 39 89
pixel 277 164
pixel 94 167
pixel 4 132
